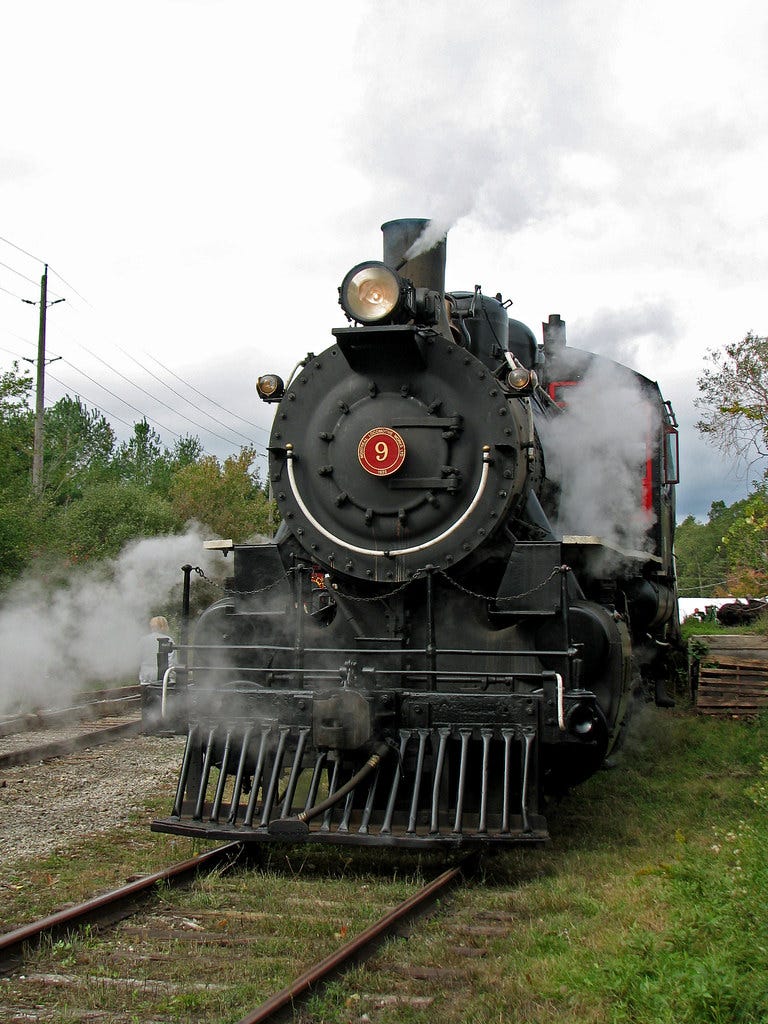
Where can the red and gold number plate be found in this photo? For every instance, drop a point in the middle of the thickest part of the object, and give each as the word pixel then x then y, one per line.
pixel 381 451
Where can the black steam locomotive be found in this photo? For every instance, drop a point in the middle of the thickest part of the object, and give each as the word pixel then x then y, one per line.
pixel 425 651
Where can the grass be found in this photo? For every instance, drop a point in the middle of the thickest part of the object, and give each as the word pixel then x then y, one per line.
pixel 648 907
pixel 711 627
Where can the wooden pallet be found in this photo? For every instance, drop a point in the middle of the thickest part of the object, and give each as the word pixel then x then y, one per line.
pixel 731 685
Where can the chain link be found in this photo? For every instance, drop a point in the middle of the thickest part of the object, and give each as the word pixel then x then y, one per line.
pixel 238 593
pixel 379 597
pixel 508 597
pixel 419 574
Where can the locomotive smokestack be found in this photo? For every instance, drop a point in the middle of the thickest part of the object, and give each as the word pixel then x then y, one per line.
pixel 554 334
pixel 427 269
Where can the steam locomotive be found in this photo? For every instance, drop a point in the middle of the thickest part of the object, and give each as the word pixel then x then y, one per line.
pixel 424 652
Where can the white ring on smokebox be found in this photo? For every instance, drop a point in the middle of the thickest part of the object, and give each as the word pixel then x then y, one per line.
pixel 400 551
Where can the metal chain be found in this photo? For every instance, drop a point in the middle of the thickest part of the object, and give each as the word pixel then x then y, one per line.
pixel 379 597
pixel 419 574
pixel 508 597
pixel 239 593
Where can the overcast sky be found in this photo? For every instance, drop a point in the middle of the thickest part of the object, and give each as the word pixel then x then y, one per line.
pixel 200 174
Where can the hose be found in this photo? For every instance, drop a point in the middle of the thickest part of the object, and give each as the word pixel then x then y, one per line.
pixel 296 827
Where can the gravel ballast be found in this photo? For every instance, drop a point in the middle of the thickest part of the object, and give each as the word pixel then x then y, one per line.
pixel 47 806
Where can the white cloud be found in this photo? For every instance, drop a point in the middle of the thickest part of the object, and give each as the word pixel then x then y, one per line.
pixel 204 173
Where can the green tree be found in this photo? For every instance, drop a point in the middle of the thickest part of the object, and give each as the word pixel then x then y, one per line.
pixel 19 513
pixel 16 431
pixel 227 499
pixel 733 398
pixel 107 516
pixel 746 545
pixel 136 460
pixel 702 561
pixel 79 444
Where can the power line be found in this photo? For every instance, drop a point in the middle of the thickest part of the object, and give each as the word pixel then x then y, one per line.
pixel 19 337
pixel 10 353
pixel 123 400
pixel 19 274
pixel 37 259
pixel 138 387
pixel 73 290
pixel 183 398
pixel 154 398
pixel 19 249
pixel 96 405
pixel 206 397
pixel 7 292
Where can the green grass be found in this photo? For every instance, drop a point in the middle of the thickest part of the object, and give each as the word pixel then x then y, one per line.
pixel 649 906
pixel 693 627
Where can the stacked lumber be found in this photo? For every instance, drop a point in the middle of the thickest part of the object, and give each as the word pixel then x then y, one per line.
pixel 733 676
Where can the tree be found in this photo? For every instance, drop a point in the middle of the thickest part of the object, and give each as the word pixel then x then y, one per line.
pixel 136 460
pixel 702 561
pixel 108 515
pixel 734 398
pixel 746 544
pixel 16 431
pixel 228 498
pixel 79 444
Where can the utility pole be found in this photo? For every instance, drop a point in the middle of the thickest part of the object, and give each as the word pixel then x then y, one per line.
pixel 37 451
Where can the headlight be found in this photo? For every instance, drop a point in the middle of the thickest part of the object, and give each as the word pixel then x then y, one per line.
pixel 371 293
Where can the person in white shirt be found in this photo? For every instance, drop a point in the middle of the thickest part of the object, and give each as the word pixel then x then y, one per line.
pixel 158 626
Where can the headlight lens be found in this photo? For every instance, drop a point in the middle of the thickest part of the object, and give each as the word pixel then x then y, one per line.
pixel 371 293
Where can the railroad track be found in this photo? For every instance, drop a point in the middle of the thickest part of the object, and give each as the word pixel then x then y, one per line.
pixel 85 706
pixel 36 942
pixel 90 720
pixel 108 907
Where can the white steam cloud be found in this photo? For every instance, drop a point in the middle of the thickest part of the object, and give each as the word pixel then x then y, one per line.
pixel 432 235
pixel 596 451
pixel 55 641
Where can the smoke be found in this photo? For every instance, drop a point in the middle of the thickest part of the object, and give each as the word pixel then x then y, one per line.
pixel 454 123
pixel 54 642
pixel 636 334
pixel 596 451
pixel 432 235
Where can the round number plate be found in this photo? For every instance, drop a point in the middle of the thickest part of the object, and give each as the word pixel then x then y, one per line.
pixel 381 451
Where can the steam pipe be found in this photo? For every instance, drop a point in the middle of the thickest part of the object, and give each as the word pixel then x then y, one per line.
pixel 431 647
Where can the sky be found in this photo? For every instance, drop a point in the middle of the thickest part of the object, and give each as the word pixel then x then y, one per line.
pixel 200 174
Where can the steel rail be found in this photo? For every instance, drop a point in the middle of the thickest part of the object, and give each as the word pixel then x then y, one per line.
pixel 366 941
pixel 109 906
pixel 85 705
pixel 60 748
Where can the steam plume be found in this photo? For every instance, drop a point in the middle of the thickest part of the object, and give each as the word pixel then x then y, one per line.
pixel 432 235
pixel 53 643
pixel 596 452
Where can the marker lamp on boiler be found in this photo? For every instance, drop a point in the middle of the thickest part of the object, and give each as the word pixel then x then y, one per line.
pixel 519 378
pixel 270 387
pixel 371 293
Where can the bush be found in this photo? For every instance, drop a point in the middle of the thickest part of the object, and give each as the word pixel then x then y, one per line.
pixel 107 516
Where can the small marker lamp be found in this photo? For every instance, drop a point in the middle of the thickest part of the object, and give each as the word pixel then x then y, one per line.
pixel 270 387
